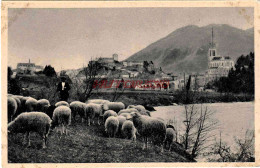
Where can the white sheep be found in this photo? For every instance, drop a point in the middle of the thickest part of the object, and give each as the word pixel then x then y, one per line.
pixel 126 115
pixel 111 126
pixel 149 127
pixel 109 113
pixel 31 122
pixel 31 104
pixel 61 117
pixel 18 102
pixel 169 138
pixel 140 108
pixel 97 101
pixel 79 108
pixel 129 130
pixel 130 110
pixel 95 111
pixel 23 100
pixel 62 103
pixel 43 105
pixel 11 108
pixel 121 120
pixel 116 106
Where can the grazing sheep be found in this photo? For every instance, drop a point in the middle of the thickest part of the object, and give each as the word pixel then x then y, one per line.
pixel 18 102
pixel 31 104
pixel 23 100
pixel 129 110
pixel 31 122
pixel 116 106
pixel 149 127
pixel 109 113
pixel 97 101
pixel 61 117
pixel 140 108
pixel 42 105
pixel 12 107
pixel 121 120
pixel 62 103
pixel 147 113
pixel 79 108
pixel 95 111
pixel 126 115
pixel 149 107
pixel 169 138
pixel 129 130
pixel 111 126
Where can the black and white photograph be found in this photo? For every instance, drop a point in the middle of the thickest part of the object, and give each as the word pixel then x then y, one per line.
pixel 130 85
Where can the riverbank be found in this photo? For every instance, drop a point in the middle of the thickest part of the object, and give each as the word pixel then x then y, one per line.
pixel 233 120
pixel 178 97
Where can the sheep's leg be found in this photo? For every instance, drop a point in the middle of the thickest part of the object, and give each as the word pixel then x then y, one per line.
pixel 144 143
pixel 82 120
pixel 93 121
pixel 29 141
pixel 170 146
pixel 63 129
pixel 44 142
pixel 60 130
pixel 66 130
pixel 98 121
pixel 114 134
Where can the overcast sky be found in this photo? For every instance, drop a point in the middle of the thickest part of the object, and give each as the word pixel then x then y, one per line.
pixel 68 38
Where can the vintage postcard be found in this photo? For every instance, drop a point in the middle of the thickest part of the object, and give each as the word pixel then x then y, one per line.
pixel 126 84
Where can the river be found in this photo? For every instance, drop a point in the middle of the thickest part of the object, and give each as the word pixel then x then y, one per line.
pixel 233 118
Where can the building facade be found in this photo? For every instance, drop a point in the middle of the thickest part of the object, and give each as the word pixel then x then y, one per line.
pixel 218 66
pixel 28 68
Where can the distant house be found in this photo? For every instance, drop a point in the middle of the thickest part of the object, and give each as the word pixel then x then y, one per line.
pixel 132 63
pixel 134 74
pixel 124 74
pixel 124 63
pixel 107 60
pixel 38 68
pixel 28 68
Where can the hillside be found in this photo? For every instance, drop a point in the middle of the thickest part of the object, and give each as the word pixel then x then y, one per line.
pixel 185 49
pixel 85 144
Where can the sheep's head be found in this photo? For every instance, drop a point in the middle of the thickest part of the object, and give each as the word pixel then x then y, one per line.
pixel 105 107
pixel 13 127
pixel 134 115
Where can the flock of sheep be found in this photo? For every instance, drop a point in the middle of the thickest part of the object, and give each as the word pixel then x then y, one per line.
pixel 26 114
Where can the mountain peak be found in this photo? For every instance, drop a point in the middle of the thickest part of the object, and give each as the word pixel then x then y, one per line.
pixel 186 48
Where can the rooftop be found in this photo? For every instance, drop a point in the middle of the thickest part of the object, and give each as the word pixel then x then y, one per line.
pixel 25 64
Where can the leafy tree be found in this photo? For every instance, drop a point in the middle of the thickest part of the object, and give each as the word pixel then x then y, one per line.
pixel 240 79
pixel 10 73
pixel 49 71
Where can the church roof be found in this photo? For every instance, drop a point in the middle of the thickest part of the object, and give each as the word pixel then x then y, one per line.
pixel 219 58
pixel 227 58
pixel 216 58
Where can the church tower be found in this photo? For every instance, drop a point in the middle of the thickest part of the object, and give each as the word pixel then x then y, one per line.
pixel 212 50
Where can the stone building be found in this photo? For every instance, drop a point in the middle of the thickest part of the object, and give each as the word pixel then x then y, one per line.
pixel 218 66
pixel 28 68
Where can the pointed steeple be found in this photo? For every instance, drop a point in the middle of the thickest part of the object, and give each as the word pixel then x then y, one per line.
pixel 212 38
